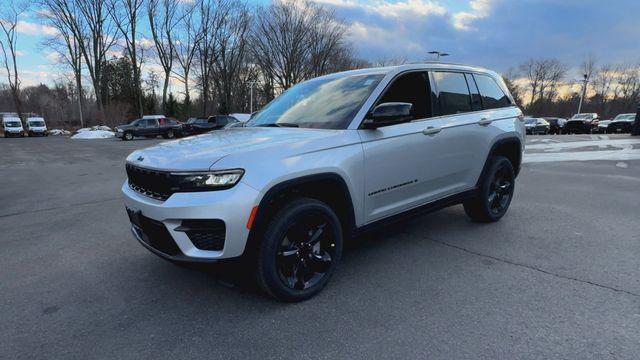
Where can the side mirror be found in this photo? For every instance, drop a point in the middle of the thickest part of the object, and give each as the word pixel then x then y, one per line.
pixel 388 114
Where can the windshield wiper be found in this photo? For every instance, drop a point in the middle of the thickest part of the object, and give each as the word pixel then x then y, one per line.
pixel 280 124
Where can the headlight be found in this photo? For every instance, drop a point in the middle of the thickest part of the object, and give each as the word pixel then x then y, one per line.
pixel 206 181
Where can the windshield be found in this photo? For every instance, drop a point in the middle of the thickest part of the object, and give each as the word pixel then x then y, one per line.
pixel 320 103
pixel 582 116
pixel 196 121
pixel 530 121
pixel 12 124
pixel 36 123
pixel 625 117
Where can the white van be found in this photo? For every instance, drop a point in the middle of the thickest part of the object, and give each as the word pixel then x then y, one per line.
pixel 12 126
pixel 36 127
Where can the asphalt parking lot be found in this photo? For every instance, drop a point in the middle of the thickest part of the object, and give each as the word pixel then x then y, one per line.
pixel 557 277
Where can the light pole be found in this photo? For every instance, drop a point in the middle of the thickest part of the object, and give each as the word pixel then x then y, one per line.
pixel 584 81
pixel 251 84
pixel 438 54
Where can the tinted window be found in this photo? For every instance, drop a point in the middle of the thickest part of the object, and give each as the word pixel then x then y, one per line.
pixel 476 103
pixel 492 95
pixel 452 93
pixel 410 88
pixel 152 122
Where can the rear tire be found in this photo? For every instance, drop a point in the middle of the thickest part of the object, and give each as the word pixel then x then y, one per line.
pixel 494 193
pixel 299 250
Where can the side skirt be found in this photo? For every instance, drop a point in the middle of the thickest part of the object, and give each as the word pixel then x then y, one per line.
pixel 415 212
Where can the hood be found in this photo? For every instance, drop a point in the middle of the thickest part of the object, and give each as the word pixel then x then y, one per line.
pixel 623 121
pixel 202 151
pixel 124 127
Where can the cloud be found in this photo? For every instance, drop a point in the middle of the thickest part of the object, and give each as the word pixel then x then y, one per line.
pixel 463 19
pixel 28 28
pixel 498 34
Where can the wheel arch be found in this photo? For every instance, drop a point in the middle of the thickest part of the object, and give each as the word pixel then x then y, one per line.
pixel 328 187
pixel 511 148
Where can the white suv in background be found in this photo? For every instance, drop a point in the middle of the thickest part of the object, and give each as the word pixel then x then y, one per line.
pixel 330 157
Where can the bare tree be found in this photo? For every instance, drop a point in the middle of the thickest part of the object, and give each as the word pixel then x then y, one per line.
pixel 93 33
pixel 511 80
pixel 206 47
pixel 186 40
pixel 543 77
pixel 125 14
pixel 390 60
pixel 9 47
pixel 163 18
pixel 230 51
pixel 66 44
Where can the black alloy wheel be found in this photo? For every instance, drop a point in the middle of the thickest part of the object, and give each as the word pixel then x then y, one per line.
pixel 495 191
pixel 306 252
pixel 500 191
pixel 127 136
pixel 171 134
pixel 299 250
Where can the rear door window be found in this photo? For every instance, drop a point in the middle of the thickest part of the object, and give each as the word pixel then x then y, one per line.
pixel 452 93
pixel 492 95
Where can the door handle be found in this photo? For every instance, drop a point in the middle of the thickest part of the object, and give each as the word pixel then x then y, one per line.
pixel 431 130
pixel 485 121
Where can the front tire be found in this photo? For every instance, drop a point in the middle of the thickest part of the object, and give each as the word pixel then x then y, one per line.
pixel 299 250
pixel 127 136
pixel 495 192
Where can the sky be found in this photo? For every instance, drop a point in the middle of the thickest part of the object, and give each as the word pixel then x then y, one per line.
pixel 498 34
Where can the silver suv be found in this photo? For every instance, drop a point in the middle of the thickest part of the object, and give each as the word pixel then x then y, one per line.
pixel 327 159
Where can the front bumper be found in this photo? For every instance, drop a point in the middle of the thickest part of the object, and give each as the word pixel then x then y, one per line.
pixel 232 206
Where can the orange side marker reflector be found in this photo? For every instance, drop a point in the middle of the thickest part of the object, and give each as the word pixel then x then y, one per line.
pixel 251 217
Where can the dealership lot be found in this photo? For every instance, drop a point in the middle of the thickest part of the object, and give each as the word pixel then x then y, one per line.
pixel 558 277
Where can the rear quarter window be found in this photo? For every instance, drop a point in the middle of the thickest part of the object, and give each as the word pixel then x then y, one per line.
pixel 492 95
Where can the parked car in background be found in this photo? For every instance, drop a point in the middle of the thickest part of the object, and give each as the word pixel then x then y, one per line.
pixel 12 127
pixel 621 123
pixel 201 125
pixel 36 127
pixel 602 126
pixel 536 126
pixel 241 117
pixel 556 125
pixel 328 158
pixel 584 123
pixel 150 127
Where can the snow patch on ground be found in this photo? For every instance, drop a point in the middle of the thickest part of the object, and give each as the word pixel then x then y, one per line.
pixel 93 134
pixel 622 164
pixel 616 155
pixel 59 132
pixel 581 144
pixel 95 128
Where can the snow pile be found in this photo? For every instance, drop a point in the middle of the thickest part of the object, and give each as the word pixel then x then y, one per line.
pixel 94 132
pixel 59 132
pixel 96 128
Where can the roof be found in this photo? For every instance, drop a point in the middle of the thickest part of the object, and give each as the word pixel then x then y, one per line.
pixel 413 66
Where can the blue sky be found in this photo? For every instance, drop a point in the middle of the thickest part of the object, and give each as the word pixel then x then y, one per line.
pixel 498 34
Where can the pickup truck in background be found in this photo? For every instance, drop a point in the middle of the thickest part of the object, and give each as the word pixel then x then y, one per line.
pixel 150 128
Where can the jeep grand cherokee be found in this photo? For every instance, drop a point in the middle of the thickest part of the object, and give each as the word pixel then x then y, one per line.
pixel 328 158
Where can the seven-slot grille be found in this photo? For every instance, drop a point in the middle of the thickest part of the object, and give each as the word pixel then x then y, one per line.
pixel 152 183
